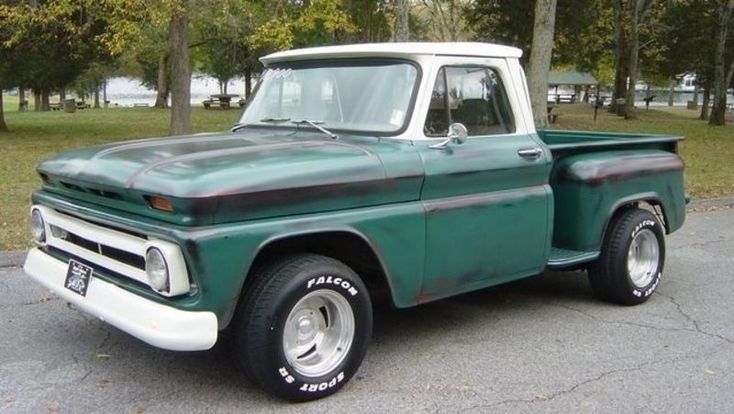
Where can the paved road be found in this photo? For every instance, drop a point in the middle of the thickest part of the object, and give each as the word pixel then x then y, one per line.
pixel 540 345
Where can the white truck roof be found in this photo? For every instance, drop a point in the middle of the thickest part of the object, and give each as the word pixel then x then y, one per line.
pixel 396 50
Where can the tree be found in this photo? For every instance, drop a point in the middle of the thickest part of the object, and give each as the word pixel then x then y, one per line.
pixel 53 32
pixel 222 48
pixel 370 18
pixel 180 69
pixel 621 55
pixel 540 59
pixel 402 28
pixel 35 38
pixel 723 71
pixel 444 19
pixel 302 24
pixel 583 34
pixel 6 61
pixel 638 12
pixel 140 38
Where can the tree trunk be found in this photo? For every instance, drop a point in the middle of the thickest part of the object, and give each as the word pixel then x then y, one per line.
pixel 706 100
pixel 402 27
pixel 62 96
pixel 634 54
pixel 161 96
pixel 22 104
pixel 180 70
pixel 3 125
pixel 621 54
pixel 540 59
pixel 104 93
pixel 718 111
pixel 45 104
pixel 248 83
pixel 695 95
pixel 36 100
pixel 96 95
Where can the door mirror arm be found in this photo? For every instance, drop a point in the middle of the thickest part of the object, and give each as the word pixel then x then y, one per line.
pixel 457 134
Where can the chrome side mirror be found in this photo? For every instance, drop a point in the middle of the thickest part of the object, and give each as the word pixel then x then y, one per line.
pixel 457 134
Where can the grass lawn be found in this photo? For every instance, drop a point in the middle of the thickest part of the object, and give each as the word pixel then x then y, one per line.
pixel 708 152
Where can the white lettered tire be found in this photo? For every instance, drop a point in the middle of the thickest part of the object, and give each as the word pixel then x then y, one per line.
pixel 632 258
pixel 303 327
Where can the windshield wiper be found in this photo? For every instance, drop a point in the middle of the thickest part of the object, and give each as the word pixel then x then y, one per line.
pixel 316 125
pixel 274 120
pixel 239 126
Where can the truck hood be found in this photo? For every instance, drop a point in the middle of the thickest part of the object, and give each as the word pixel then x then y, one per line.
pixel 234 176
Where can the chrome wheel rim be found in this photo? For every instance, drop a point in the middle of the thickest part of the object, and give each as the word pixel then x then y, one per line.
pixel 643 258
pixel 318 333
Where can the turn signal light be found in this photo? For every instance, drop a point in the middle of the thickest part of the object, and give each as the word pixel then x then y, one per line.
pixel 160 203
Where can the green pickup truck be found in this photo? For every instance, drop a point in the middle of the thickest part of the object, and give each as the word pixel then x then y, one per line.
pixel 404 171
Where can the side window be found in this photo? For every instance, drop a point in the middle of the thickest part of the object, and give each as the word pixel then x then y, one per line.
pixel 473 96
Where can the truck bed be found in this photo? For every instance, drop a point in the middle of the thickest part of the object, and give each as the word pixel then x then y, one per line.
pixel 562 142
pixel 591 170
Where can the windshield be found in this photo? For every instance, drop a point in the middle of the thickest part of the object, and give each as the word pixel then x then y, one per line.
pixel 348 95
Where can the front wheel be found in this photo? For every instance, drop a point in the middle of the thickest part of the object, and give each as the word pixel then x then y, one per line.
pixel 632 258
pixel 304 327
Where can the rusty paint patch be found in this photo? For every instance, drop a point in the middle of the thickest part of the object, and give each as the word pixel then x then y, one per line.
pixel 452 203
pixel 597 172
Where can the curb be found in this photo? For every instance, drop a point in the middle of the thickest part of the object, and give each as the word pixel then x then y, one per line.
pixel 17 257
pixel 710 204
pixel 13 258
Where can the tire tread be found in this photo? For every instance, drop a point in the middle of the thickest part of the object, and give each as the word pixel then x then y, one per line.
pixel 608 282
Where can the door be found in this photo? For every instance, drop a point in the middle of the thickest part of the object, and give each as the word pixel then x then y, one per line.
pixel 487 201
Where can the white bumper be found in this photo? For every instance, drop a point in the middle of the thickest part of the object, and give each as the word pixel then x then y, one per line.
pixel 157 324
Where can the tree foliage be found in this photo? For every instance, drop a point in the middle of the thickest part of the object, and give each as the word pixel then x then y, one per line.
pixel 53 42
pixel 48 45
pixel 300 24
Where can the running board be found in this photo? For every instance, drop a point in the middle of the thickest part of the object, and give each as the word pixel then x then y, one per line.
pixel 560 258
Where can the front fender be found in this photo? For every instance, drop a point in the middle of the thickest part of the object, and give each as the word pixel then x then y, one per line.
pixel 222 255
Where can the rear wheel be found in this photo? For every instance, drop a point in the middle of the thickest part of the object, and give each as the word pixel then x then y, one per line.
pixel 632 258
pixel 304 327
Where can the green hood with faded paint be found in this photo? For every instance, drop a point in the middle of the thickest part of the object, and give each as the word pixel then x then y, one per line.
pixel 216 178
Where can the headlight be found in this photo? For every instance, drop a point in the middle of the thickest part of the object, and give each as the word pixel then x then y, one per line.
pixel 156 269
pixel 38 228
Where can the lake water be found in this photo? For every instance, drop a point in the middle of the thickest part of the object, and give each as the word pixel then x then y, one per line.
pixel 129 91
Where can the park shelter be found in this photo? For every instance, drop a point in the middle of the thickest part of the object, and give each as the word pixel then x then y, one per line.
pixel 576 80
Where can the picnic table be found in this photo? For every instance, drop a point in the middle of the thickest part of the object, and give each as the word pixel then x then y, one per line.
pixel 57 106
pixel 223 101
pixel 564 98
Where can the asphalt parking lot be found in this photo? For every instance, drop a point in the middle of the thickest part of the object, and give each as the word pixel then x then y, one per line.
pixel 540 345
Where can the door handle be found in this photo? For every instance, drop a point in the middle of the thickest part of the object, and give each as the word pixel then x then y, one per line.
pixel 533 153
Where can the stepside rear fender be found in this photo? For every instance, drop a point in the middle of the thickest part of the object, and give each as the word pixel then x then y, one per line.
pixel 589 188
